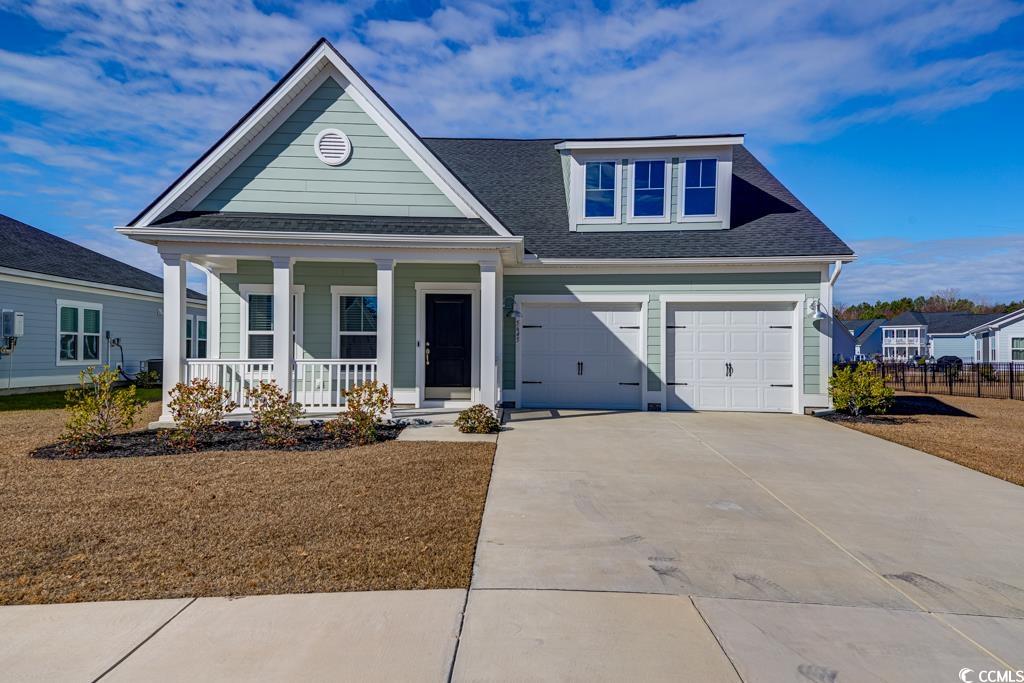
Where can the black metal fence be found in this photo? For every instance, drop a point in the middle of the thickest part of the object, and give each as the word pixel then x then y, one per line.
pixel 981 380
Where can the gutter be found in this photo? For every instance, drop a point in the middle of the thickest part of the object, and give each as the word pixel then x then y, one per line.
pixel 835 273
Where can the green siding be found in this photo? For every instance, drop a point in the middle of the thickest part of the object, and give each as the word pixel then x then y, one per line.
pixel 284 175
pixel 656 285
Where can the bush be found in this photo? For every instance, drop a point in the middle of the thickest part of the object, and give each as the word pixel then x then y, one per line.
pixel 96 409
pixel 366 406
pixel 147 379
pixel 197 407
pixel 274 414
pixel 859 391
pixel 478 419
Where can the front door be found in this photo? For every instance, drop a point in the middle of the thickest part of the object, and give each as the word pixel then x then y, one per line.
pixel 448 346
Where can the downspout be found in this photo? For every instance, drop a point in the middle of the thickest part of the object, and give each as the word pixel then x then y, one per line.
pixel 832 280
pixel 831 321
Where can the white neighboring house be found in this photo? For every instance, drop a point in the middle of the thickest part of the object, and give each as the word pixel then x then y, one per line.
pixel 1000 340
pixel 947 333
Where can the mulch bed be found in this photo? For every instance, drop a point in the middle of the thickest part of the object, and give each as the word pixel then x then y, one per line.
pixel 228 437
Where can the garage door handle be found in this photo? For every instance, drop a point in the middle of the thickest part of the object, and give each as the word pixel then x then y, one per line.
pixel 780 327
pixel 530 327
pixel 629 327
pixel 677 384
pixel 676 327
pixel 529 382
pixel 781 385
pixel 629 384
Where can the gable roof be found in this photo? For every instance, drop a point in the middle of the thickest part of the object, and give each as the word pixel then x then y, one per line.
pixel 863 329
pixel 945 322
pixel 320 61
pixel 30 249
pixel 522 181
pixel 1000 321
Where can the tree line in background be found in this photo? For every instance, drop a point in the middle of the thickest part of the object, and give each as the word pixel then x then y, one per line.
pixel 940 301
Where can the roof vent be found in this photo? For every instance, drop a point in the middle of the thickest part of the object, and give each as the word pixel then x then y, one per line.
pixel 332 147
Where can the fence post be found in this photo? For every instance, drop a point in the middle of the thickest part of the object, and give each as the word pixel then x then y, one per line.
pixel 977 376
pixel 1011 379
pixel 903 375
pixel 926 379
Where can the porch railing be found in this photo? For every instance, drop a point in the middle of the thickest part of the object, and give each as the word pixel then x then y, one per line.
pixel 316 384
pixel 321 384
pixel 234 375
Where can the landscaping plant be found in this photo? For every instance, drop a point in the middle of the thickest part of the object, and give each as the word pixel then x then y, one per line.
pixel 478 419
pixel 366 406
pixel 274 414
pixel 859 391
pixel 197 407
pixel 147 379
pixel 96 409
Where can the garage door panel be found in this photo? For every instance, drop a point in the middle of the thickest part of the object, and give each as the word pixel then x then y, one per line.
pixel 756 340
pixel 605 338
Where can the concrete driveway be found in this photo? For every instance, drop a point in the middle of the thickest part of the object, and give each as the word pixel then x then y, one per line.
pixel 699 546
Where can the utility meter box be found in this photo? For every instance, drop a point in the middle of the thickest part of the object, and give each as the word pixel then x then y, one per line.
pixel 13 324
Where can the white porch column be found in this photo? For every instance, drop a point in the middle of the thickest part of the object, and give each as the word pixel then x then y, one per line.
pixel 385 321
pixel 488 333
pixel 283 321
pixel 212 312
pixel 174 326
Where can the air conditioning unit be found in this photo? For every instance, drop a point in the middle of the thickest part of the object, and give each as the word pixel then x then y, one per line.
pixel 13 324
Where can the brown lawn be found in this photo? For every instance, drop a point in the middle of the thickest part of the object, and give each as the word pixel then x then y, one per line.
pixel 985 434
pixel 396 515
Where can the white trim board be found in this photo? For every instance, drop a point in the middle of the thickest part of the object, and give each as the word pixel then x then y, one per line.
pixel 323 61
pixel 651 143
pixel 422 289
pixel 798 301
pixel 25 277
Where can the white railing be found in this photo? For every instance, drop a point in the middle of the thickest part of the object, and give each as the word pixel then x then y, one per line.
pixel 236 376
pixel 321 384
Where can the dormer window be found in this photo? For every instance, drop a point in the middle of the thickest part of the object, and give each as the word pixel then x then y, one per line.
pixel 649 198
pixel 700 181
pixel 599 200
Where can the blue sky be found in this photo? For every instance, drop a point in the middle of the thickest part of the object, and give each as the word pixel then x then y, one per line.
pixel 896 122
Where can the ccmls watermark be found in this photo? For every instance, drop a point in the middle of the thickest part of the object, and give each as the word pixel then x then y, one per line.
pixel 991 676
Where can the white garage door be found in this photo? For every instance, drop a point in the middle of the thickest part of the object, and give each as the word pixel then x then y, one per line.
pixel 730 357
pixel 580 356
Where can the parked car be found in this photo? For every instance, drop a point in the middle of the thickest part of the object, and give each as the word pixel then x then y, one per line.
pixel 949 362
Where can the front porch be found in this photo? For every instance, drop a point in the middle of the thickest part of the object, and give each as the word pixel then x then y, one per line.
pixel 424 322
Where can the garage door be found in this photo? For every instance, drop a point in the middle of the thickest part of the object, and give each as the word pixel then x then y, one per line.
pixel 580 356
pixel 730 357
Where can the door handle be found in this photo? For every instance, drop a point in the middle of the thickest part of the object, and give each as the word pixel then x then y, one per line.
pixel 728 369
pixel 426 353
pixel 579 367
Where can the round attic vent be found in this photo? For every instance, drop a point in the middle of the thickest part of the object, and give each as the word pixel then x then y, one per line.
pixel 332 147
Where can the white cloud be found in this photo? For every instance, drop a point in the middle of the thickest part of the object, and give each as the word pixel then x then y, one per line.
pixel 983 268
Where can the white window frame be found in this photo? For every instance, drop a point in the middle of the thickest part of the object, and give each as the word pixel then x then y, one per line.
pixel 578 187
pixel 81 306
pixel 1021 349
pixel 298 295
pixel 721 168
pixel 667 190
pixel 338 291
pixel 192 343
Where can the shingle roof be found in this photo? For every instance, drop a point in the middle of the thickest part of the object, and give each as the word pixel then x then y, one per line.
pixel 24 247
pixel 521 182
pixel 378 225
pixel 948 322
pixel 862 329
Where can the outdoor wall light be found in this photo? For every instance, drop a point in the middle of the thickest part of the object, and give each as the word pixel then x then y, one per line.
pixel 815 310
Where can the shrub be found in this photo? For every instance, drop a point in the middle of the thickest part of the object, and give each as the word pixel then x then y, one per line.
pixel 147 379
pixel 859 391
pixel 366 406
pixel 478 419
pixel 96 409
pixel 197 407
pixel 274 414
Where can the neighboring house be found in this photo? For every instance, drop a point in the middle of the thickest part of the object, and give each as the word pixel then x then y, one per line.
pixel 867 336
pixel 913 333
pixel 1000 339
pixel 844 346
pixel 75 302
pixel 654 273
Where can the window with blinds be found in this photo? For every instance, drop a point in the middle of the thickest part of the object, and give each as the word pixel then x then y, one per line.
pixel 261 326
pixel 357 333
pixel 78 332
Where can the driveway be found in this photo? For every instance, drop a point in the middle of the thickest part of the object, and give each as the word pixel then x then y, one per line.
pixel 638 546
pixel 705 545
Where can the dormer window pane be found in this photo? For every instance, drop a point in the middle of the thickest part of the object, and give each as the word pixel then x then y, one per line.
pixel 600 189
pixel 649 190
pixel 699 187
